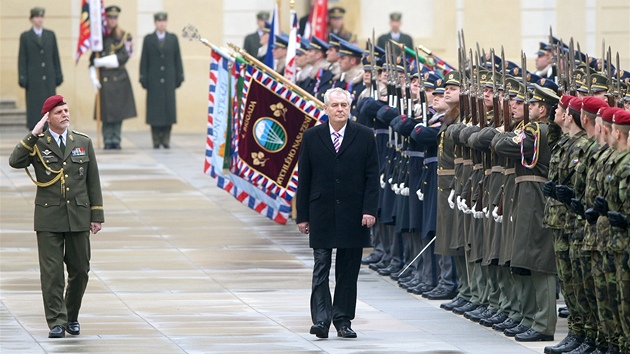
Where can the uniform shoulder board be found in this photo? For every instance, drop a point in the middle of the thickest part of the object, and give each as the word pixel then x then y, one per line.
pixel 79 133
pixel 41 135
pixel 531 128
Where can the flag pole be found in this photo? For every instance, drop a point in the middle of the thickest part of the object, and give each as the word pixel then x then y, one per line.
pixel 99 142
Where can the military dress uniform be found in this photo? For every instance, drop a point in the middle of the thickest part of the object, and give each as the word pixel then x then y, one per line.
pixel 161 72
pixel 68 199
pixel 39 68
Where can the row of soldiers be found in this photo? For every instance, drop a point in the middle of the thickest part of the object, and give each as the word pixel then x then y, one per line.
pixel 502 182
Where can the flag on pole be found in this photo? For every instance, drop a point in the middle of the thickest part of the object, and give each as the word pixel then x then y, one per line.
pixel 275 30
pixel 92 26
pixel 290 69
pixel 317 24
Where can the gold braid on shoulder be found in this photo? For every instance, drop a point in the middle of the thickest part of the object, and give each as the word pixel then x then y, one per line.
pixel 59 173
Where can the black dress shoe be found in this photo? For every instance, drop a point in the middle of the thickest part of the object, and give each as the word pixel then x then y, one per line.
pixel 379 265
pixel 320 330
pixel 346 332
pixel 421 289
pixel 516 330
pixel 73 328
pixel 372 258
pixel 476 312
pixel 156 146
pixel 392 268
pixel 482 316
pixel 563 312
pixel 456 302
pixel 465 308
pixel 507 324
pixel 57 332
pixel 491 321
pixel 166 146
pixel 411 284
pixel 116 146
pixel 443 295
pixel 404 282
pixel 532 336
pixel 397 275
pixel 570 342
pixel 587 346
pixel 108 147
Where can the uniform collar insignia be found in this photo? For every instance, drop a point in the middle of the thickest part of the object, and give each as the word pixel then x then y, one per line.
pixel 48 139
pixel 70 137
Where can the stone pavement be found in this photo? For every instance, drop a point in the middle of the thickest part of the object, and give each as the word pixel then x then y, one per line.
pixel 182 267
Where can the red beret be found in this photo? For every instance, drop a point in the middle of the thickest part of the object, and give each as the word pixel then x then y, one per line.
pixel 52 102
pixel 576 104
pixel 607 113
pixel 593 104
pixel 564 101
pixel 621 117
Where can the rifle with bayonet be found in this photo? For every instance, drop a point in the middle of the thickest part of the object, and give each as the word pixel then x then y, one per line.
pixel 526 100
pixel 620 92
pixel 588 75
pixel 554 53
pixel 561 66
pixel 481 106
pixel 507 119
pixel 472 93
pixel 408 98
pixel 611 90
pixel 423 94
pixel 496 115
pixel 374 73
pixel 570 76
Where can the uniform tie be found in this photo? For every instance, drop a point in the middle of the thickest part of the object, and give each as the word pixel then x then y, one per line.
pixel 336 142
pixel 62 146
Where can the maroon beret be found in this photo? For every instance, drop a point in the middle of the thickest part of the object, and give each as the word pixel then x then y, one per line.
pixel 621 117
pixel 593 104
pixel 576 104
pixel 52 102
pixel 564 101
pixel 607 113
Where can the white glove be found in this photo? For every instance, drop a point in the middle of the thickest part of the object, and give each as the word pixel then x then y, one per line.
pixel 382 181
pixel 465 207
pixel 495 214
pixel 108 61
pixel 95 83
pixel 450 199
pixel 389 180
pixel 485 211
pixel 458 202
pixel 405 191
pixel 476 214
pixel 395 188
pixel 420 194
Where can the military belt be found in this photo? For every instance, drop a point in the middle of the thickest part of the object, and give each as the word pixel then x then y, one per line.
pixel 446 172
pixel 509 171
pixel 458 160
pixel 539 179
pixel 467 162
pixel 477 167
pixel 497 169
pixel 487 172
pixel 429 160
pixel 381 131
pixel 414 153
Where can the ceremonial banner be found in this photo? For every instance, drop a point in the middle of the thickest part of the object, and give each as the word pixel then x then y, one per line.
pixel 221 88
pixel 91 27
pixel 270 133
pixel 273 32
pixel 317 24
pixel 290 70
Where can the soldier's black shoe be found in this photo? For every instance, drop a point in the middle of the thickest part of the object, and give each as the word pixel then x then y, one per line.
pixel 516 330
pixel 456 302
pixel 403 282
pixel 465 308
pixel 346 332
pixel 507 324
pixel 379 265
pixel 73 328
pixel 421 289
pixel 108 146
pixel 563 312
pixel 498 317
pixel 372 258
pixel 587 346
pixel 570 342
pixel 320 330
pixel 392 268
pixel 411 284
pixel 532 336
pixel 444 294
pixel 57 332
pixel 400 274
pixel 166 146
pixel 476 312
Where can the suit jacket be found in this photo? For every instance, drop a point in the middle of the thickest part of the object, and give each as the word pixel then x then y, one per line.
pixel 251 44
pixel 404 39
pixel 161 72
pixel 39 71
pixel 336 189
pixel 72 206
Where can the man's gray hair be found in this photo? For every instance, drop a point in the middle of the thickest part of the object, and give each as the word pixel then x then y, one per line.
pixel 335 91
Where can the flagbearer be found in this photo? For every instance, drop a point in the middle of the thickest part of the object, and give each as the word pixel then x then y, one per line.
pixel 116 95
pixel 161 72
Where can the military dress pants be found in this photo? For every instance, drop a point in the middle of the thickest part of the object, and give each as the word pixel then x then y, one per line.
pixel 341 309
pixel 545 294
pixel 55 249
pixel 161 135
pixel 462 271
pixel 112 132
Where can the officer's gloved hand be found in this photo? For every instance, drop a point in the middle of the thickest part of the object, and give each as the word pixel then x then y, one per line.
pixel 465 207
pixel 95 83
pixel 420 194
pixel 486 213
pixel 382 180
pixel 600 205
pixel 458 202
pixel 476 214
pixel 577 206
pixel 495 214
pixel 549 189
pixel 617 219
pixel 564 193
pixel 405 191
pixel 451 203
pixel 591 216
pixel 394 187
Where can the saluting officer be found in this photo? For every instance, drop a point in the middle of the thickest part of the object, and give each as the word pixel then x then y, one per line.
pixel 39 68
pixel 161 72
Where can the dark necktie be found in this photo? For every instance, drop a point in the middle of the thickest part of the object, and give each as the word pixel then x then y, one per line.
pixel 62 146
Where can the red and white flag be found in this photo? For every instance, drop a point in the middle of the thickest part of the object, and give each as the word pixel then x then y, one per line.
pixel 92 26
pixel 317 24
pixel 290 69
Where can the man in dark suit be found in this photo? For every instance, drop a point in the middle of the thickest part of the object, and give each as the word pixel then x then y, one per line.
pixel 39 68
pixel 68 206
pixel 252 41
pixel 161 72
pixel 394 33
pixel 337 199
